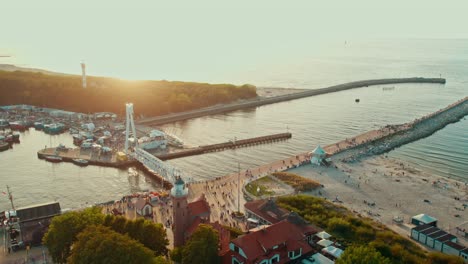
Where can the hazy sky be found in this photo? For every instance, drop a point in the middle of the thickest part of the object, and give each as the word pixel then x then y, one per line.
pixel 160 40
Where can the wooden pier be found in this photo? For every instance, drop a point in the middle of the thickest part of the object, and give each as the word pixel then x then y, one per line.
pixel 93 157
pixel 223 146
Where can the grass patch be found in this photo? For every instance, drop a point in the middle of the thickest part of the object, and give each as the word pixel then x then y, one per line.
pixel 299 183
pixel 257 188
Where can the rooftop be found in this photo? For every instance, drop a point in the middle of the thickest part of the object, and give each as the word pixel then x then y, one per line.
pixel 38 211
pixel 267 210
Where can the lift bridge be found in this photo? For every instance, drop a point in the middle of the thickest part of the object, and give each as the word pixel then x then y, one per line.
pixel 163 169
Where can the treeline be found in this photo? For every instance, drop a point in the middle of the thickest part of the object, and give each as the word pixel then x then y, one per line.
pixel 357 233
pixel 150 98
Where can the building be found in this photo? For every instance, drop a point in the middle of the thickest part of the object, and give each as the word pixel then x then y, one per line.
pixel 423 219
pixel 282 242
pixel 318 155
pixel 439 240
pixel 34 220
pixel 144 207
pixel 265 212
pixel 188 216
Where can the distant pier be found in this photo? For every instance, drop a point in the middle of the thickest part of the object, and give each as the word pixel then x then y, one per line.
pixel 159 120
pixel 223 146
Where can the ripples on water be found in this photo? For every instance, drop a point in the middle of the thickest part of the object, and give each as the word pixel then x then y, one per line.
pixel 322 120
pixel 36 181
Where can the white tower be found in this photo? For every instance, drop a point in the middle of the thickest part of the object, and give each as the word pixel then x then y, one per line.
pixel 83 73
pixel 129 122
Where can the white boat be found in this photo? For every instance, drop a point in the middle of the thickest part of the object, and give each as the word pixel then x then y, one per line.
pixel 156 139
pixel 53 158
pixel 173 140
pixel 80 162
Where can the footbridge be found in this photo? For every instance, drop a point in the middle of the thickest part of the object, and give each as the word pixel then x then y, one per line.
pixel 165 170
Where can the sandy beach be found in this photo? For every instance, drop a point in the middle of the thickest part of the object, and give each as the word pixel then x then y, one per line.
pixel 397 190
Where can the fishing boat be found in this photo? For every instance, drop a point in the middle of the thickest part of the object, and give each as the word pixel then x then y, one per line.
pixel 16 136
pixel 357 100
pixel 4 124
pixel 18 125
pixel 53 158
pixel 38 125
pixel 80 162
pixel 4 146
pixel 155 139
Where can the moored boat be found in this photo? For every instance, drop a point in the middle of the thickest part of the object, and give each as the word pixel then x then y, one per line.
pixel 53 158
pixel 16 136
pixel 80 162
pixel 4 146
pixel 4 124
pixel 38 125
pixel 18 125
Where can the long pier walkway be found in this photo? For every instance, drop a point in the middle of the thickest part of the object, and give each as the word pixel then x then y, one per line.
pixel 225 145
pixel 159 120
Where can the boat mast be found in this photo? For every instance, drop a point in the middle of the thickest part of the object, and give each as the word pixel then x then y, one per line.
pixel 10 197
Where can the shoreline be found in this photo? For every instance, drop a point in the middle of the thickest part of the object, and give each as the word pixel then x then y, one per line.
pixel 384 188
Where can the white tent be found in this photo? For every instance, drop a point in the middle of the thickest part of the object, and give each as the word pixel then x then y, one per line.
pixel 325 243
pixel 323 235
pixel 336 252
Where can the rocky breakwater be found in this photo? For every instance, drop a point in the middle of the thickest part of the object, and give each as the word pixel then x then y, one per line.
pixel 406 133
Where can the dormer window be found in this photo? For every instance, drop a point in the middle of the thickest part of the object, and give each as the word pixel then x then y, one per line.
pixel 295 254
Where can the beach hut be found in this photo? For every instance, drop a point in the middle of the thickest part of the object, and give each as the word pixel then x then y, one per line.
pixel 464 254
pixel 423 219
pixel 452 248
pixel 318 154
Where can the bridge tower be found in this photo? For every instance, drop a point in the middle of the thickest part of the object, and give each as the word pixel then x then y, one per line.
pixel 129 123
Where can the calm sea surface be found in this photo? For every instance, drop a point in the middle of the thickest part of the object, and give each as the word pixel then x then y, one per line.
pixel 322 120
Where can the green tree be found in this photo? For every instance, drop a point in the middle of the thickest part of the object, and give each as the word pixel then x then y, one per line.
pixel 151 235
pixel 99 244
pixel 202 247
pixel 64 229
pixel 362 255
pixel 176 254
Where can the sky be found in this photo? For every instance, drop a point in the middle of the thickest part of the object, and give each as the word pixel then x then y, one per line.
pixel 204 40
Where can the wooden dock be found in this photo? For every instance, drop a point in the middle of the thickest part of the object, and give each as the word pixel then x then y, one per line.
pixel 223 146
pixel 93 157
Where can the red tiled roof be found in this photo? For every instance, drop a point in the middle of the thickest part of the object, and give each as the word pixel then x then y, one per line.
pixel 267 209
pixel 257 244
pixel 198 207
pixel 141 203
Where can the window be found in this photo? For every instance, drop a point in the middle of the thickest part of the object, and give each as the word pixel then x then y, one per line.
pixel 235 261
pixel 236 249
pixel 275 259
pixel 178 205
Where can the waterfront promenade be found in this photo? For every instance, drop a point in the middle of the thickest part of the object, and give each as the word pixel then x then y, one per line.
pixel 259 101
